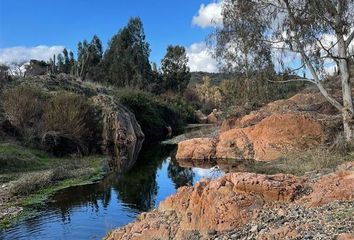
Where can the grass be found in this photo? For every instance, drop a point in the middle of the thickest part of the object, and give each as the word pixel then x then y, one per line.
pixel 315 160
pixel 32 176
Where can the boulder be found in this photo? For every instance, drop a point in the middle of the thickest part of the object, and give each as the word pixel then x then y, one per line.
pixel 234 203
pixel 336 186
pixel 196 148
pixel 214 116
pixel 122 136
pixel 265 141
pixel 212 206
pixel 271 137
pixel 201 118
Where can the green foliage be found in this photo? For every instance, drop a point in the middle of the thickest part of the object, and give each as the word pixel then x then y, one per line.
pixel 126 61
pixel 153 115
pixel 183 108
pixel 175 70
pixel 89 56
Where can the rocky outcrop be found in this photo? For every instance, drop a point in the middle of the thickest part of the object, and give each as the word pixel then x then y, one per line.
pixel 264 141
pixel 122 136
pixel 301 122
pixel 197 148
pixel 212 206
pixel 336 186
pixel 246 205
pixel 271 137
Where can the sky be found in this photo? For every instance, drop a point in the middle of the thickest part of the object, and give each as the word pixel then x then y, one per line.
pixel 39 28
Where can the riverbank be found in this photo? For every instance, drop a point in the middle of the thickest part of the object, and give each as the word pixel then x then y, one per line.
pixel 28 178
pixel 253 206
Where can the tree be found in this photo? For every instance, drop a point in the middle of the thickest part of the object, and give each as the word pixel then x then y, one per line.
pixel 126 60
pixel 61 66
pixel 89 56
pixel 72 63
pixel 175 70
pixel 316 31
pixel 66 63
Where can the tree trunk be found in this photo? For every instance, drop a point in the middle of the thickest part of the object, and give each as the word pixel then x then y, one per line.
pixel 347 111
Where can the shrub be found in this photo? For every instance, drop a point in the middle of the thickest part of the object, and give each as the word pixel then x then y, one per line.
pixel 69 124
pixel 23 107
pixel 154 115
pixel 183 108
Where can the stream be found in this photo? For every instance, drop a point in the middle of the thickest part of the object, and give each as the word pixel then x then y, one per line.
pixel 91 211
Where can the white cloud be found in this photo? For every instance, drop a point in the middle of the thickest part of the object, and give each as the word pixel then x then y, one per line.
pixel 24 54
pixel 209 15
pixel 200 58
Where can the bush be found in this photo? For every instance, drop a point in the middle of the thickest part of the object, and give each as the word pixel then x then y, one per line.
pixel 153 115
pixel 184 109
pixel 69 124
pixel 23 107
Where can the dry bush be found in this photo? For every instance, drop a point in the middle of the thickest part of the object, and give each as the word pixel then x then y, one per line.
pixel 23 107
pixel 68 123
pixel 30 183
pixel 341 146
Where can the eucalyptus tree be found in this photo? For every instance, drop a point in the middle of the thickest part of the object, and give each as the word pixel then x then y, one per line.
pixel 175 70
pixel 126 61
pixel 319 32
pixel 89 56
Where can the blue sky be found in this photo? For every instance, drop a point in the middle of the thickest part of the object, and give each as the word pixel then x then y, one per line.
pixel 26 24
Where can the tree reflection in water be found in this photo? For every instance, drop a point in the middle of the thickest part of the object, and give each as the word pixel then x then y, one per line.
pixel 179 175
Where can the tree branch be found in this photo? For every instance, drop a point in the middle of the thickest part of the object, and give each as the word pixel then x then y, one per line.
pixel 308 63
pixel 349 40
pixel 293 80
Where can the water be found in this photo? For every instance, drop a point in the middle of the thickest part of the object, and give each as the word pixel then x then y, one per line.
pixel 91 211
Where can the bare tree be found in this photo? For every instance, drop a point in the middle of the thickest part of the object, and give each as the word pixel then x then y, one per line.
pixel 319 32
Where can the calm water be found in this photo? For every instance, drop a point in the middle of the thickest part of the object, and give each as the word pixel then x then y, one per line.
pixel 89 212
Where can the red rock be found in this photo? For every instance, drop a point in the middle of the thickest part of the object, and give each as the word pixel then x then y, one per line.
pixel 197 148
pixel 220 205
pixel 345 236
pixel 270 138
pixel 336 186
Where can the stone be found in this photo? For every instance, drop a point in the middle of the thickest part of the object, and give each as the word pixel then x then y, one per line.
pixel 219 205
pixel 196 148
pixel 122 136
pixel 271 138
pixel 336 186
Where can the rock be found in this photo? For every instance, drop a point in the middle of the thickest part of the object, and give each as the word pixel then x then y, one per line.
pixel 336 186
pixel 265 141
pixel 122 135
pixel 201 118
pixel 196 148
pixel 304 102
pixel 219 205
pixel 271 137
pixel 37 68
pixel 345 236
pixel 214 116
